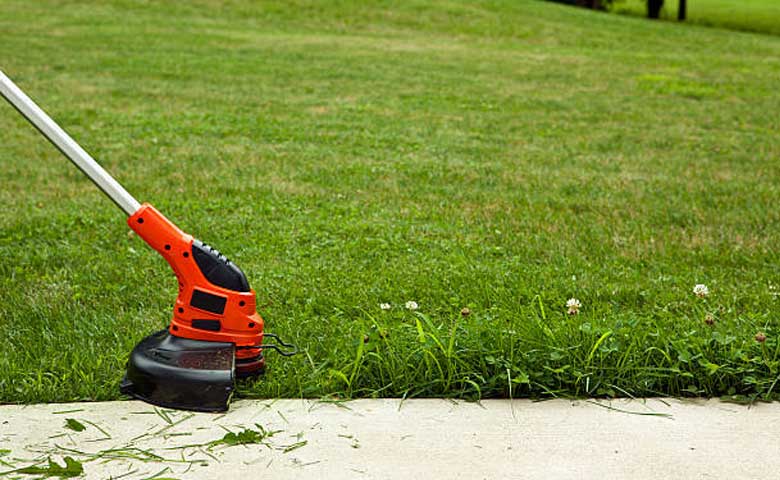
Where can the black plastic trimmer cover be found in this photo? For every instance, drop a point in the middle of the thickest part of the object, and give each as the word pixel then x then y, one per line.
pixel 181 373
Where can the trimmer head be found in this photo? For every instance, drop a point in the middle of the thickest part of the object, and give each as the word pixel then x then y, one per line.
pixel 181 373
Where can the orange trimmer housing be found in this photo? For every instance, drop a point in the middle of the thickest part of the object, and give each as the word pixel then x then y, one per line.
pixel 204 310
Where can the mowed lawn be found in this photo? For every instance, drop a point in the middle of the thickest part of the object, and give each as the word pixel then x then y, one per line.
pixel 503 156
pixel 761 16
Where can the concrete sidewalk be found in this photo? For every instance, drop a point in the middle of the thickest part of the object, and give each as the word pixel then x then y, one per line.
pixel 420 439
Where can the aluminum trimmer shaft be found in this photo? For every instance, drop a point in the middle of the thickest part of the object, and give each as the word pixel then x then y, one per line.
pixel 67 145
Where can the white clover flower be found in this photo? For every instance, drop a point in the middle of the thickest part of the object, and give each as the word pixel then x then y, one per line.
pixel 573 305
pixel 701 290
pixel 384 306
pixel 411 305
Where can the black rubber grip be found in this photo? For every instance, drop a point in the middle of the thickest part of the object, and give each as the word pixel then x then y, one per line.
pixel 208 302
pixel 217 268
pixel 211 325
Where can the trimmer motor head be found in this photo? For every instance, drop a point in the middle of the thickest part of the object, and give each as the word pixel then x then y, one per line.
pixel 215 333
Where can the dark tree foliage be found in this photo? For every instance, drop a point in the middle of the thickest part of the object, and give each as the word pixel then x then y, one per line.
pixel 594 4
pixel 653 6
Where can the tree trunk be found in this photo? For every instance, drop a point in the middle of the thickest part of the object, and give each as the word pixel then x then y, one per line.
pixel 654 8
pixel 682 10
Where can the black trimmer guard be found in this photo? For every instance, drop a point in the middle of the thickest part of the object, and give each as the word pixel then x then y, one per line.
pixel 181 373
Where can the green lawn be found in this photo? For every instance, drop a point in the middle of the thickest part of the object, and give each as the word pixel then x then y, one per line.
pixel 761 16
pixel 500 155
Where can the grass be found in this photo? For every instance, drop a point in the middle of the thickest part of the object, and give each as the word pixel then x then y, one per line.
pixel 499 155
pixel 761 16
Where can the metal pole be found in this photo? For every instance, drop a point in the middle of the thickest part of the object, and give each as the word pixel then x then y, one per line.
pixel 67 145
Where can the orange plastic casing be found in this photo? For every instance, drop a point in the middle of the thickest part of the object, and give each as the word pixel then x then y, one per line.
pixel 240 323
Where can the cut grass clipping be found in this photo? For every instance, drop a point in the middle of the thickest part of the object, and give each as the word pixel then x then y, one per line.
pixel 74 425
pixel 3 453
pixel 72 468
pixel 247 436
pixel 375 169
pixel 191 455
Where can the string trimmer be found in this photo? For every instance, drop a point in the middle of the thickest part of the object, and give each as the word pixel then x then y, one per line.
pixel 215 334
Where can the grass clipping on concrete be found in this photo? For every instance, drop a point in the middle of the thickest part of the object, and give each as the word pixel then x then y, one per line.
pixel 502 157
pixel 70 454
